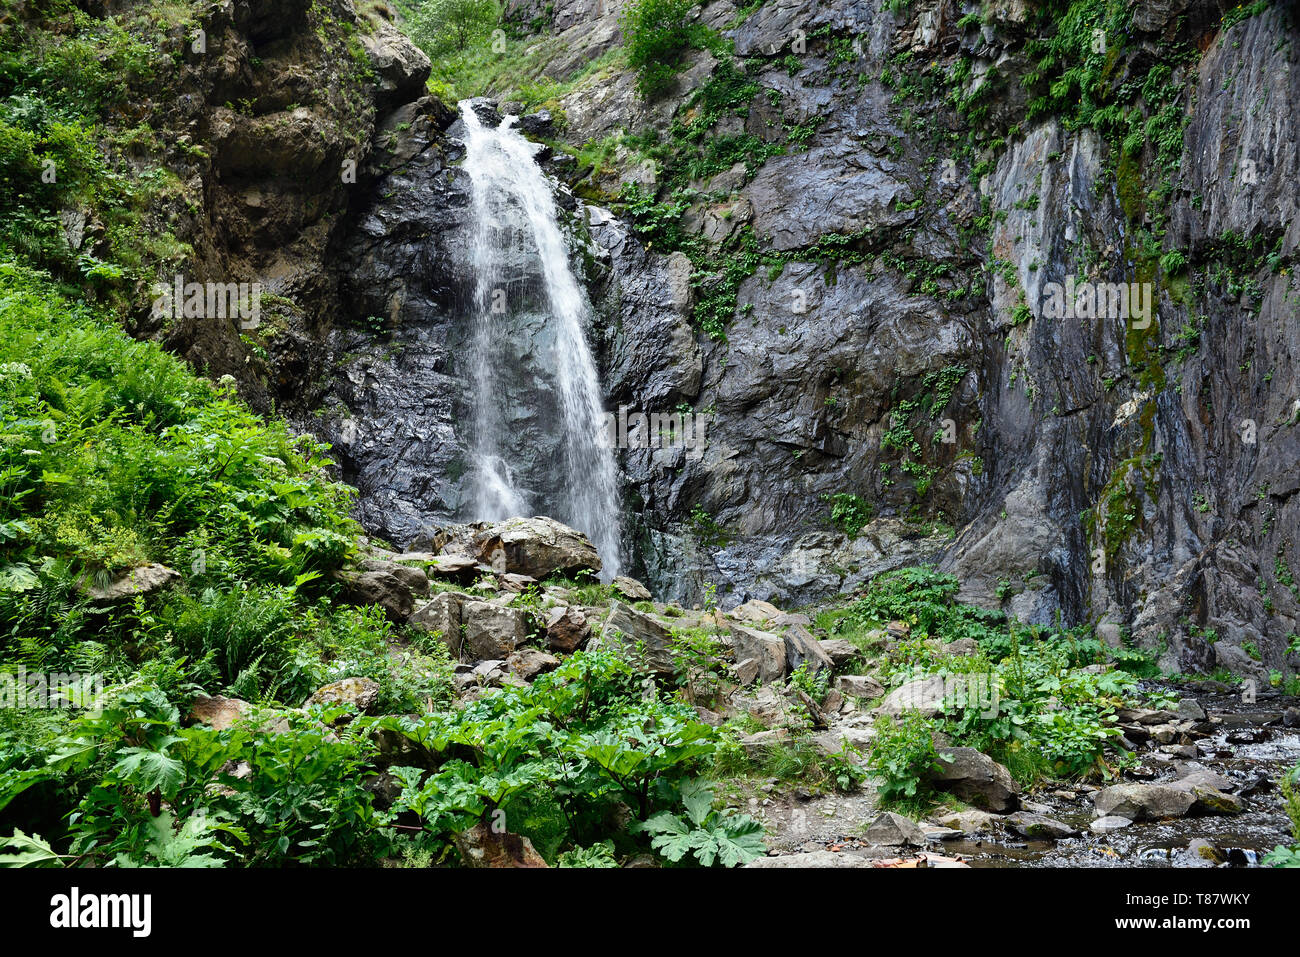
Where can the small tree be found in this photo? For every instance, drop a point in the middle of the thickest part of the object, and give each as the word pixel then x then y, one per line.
pixel 443 26
pixel 655 33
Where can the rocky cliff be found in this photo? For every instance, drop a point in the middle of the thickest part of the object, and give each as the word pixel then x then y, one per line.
pixel 896 194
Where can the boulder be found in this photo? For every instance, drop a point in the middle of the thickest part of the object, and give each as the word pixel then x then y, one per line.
pixel 970 821
pixel 637 634
pixel 840 652
pixel 360 693
pixel 925 695
pixel 1190 709
pixel 566 629
pixel 441 615
pixel 377 588
pixel 894 830
pixel 755 611
pixel 536 546
pixel 765 649
pixel 1105 825
pixel 1030 824
pixel 409 575
pixel 138 581
pixel 1143 802
pixel 860 686
pixel 976 778
pixel 481 846
pixel 400 67
pixel 491 631
pixel 630 588
pixel 528 663
pixel 802 649
pixel 759 745
pixel 217 712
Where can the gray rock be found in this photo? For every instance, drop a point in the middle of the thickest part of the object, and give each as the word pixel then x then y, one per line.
pixel 840 652
pixel 976 778
pixel 639 635
pixel 1142 802
pixel 491 631
pixel 894 830
pixel 138 581
pixel 1108 824
pixel 767 650
pixel 1030 824
pixel 567 628
pixel 1190 708
pixel 925 695
pixel 860 686
pixel 360 693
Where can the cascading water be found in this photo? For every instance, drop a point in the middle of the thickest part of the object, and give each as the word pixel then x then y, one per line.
pixel 515 221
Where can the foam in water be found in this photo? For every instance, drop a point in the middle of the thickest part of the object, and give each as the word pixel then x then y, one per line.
pixel 513 204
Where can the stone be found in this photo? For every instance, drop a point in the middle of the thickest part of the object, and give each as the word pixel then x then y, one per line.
pixel 218 712
pixel 1030 824
pixel 840 652
pixel 1108 824
pixel 760 744
pixel 481 846
pixel 144 580
pixel 537 547
pixel 860 686
pixel 1212 801
pixel 635 633
pixel 528 663
pixel 567 628
pixel 400 67
pixel 462 568
pixel 895 830
pixel 1142 802
pixel 380 588
pixel 766 649
pixel 803 650
pixel 961 648
pixel 1203 849
pixel 970 821
pixel 360 693
pixel 925 695
pixel 491 631
pixel 412 577
pixel 976 778
pixel 1190 709
pixel 441 615
pixel 818 859
pixel 1192 776
pixel 755 611
pixel 630 588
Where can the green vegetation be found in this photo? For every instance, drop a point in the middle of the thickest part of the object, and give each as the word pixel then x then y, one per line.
pixel 1024 698
pixel 655 34
pixel 446 26
pixel 1283 856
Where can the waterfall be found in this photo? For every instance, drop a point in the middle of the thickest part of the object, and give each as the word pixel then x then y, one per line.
pixel 515 221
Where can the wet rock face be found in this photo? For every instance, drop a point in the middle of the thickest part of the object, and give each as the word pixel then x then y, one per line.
pixel 1065 436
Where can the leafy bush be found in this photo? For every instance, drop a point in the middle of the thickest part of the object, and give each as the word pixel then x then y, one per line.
pixel 655 34
pixel 903 757
pixel 441 26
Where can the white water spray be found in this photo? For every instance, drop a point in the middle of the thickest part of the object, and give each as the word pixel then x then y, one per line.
pixel 515 211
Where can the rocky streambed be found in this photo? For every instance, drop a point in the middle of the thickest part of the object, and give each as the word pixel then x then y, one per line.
pixel 1207 797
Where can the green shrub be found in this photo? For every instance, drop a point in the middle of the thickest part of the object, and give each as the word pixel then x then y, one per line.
pixel 655 35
